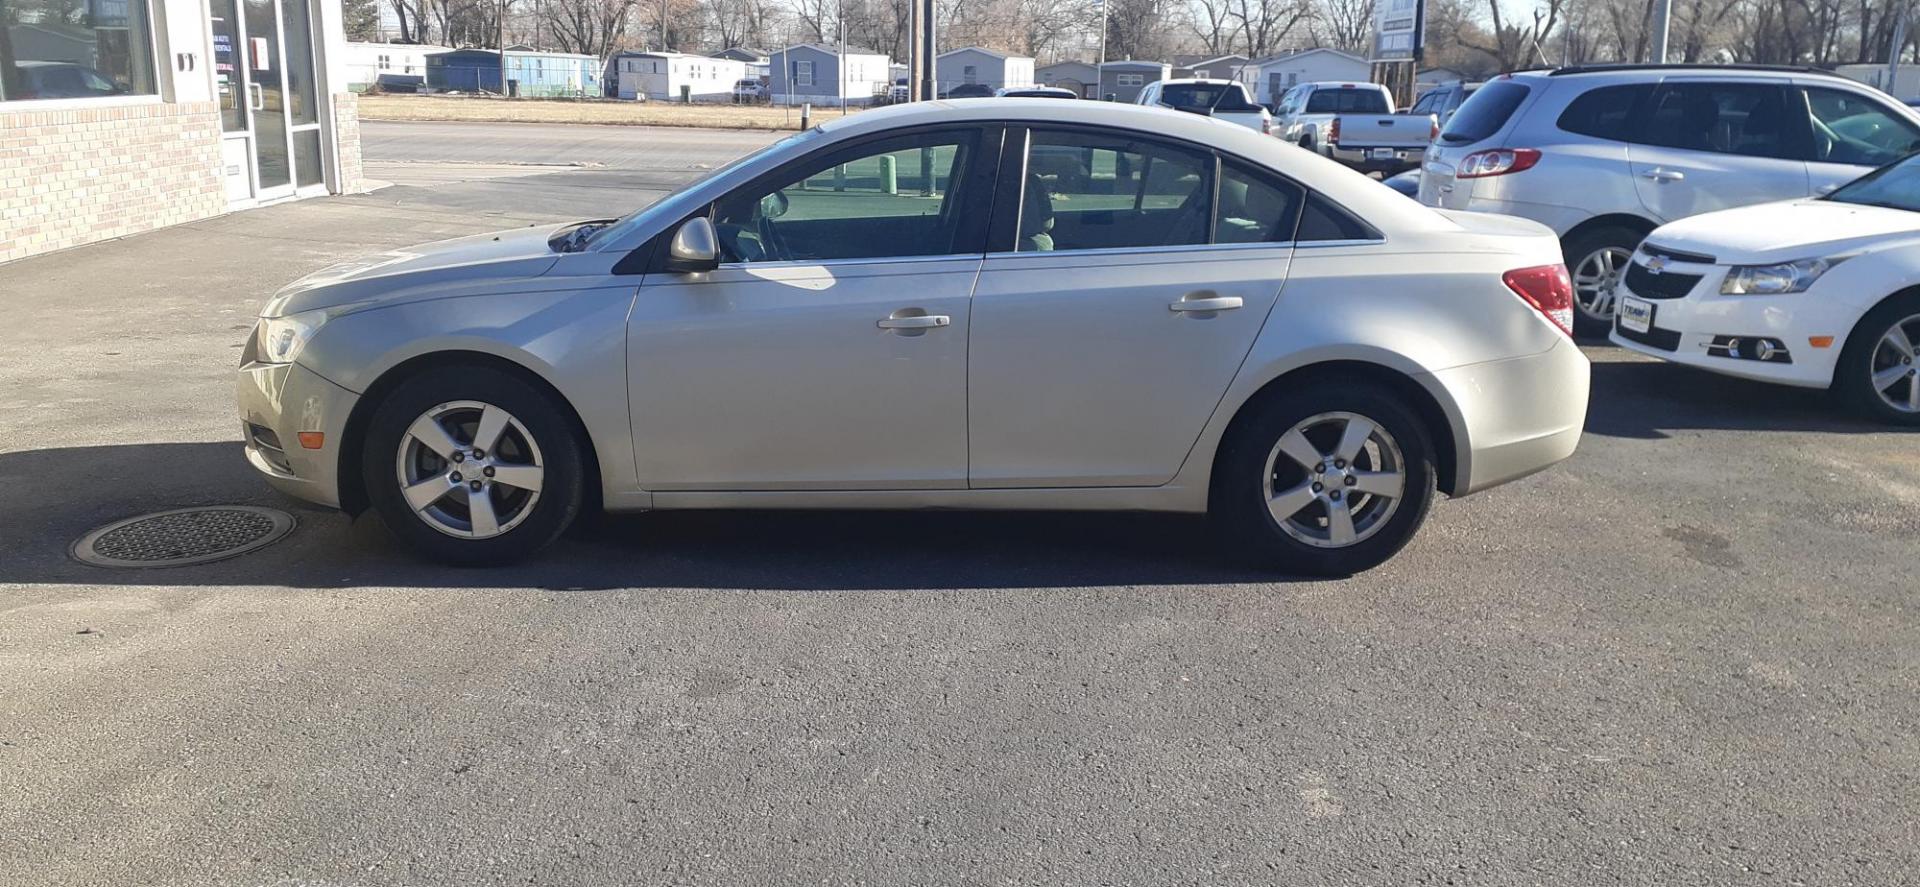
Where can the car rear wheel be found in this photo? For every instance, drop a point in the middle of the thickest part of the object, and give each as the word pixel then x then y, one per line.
pixel 471 465
pixel 1879 372
pixel 1597 260
pixel 1324 481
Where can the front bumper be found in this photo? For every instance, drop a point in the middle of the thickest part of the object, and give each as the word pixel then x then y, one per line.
pixel 1365 159
pixel 1724 334
pixel 1519 415
pixel 277 403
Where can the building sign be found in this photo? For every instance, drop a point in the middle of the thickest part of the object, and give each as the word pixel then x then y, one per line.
pixel 1399 30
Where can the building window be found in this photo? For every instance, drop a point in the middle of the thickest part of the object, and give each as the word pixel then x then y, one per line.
pixel 1203 73
pixel 383 63
pixel 76 50
pixel 969 74
pixel 803 73
pixel 1131 79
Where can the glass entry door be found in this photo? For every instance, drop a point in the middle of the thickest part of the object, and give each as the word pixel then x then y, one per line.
pixel 269 113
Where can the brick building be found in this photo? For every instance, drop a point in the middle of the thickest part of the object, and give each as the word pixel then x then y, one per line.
pixel 121 116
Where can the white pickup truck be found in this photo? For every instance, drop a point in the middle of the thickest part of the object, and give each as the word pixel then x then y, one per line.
pixel 1222 99
pixel 1355 124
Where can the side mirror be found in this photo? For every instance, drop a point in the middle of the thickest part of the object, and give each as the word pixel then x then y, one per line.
pixel 694 247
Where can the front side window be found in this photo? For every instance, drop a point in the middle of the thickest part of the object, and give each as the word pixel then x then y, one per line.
pixel 1850 128
pixel 894 198
pixel 803 73
pixel 1894 186
pixel 1725 118
pixel 1098 191
pixel 59 50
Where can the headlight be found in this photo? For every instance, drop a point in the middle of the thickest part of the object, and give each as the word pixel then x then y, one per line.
pixel 279 339
pixel 1768 280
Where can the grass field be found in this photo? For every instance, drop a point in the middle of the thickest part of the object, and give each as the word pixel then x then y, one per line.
pixel 493 110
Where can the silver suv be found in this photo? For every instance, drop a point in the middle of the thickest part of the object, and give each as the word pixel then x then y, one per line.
pixel 1603 155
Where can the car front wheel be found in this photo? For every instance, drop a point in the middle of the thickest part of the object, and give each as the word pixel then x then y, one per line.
pixel 471 465
pixel 1597 260
pixel 1326 482
pixel 1879 372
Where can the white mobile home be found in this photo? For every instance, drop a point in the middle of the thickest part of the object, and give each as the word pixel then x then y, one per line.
pixel 395 67
pixel 666 76
pixel 1271 77
pixel 974 66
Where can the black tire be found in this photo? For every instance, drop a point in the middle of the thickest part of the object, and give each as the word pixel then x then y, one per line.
pixel 1575 251
pixel 562 489
pixel 1238 504
pixel 1306 144
pixel 1852 376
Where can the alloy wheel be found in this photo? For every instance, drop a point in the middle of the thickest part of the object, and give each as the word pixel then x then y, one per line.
pixel 470 469
pixel 1334 479
pixel 1895 373
pixel 1594 280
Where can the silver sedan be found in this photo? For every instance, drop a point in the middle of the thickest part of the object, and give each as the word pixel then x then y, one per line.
pixel 995 303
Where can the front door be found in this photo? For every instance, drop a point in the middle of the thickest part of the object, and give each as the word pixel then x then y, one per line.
pixel 829 351
pixel 269 103
pixel 1104 340
pixel 1708 146
pixel 1852 134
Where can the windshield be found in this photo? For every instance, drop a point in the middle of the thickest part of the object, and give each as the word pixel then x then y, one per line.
pixel 1206 96
pixel 1896 186
pixel 671 197
pixel 1347 101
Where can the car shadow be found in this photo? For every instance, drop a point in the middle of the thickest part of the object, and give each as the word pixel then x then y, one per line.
pixel 66 492
pixel 1650 400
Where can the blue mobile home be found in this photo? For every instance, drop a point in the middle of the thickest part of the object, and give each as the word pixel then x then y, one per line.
pixel 529 73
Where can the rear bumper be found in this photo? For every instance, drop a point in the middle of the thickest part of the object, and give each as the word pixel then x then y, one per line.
pixel 278 402
pixel 1363 158
pixel 1519 415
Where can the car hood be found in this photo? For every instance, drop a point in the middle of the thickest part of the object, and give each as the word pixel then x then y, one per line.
pixel 1787 231
pixel 421 271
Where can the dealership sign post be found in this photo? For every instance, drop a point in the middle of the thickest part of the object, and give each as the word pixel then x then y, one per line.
pixel 1399 34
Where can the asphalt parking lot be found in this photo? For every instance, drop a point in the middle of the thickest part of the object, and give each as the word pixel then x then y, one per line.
pixel 1690 655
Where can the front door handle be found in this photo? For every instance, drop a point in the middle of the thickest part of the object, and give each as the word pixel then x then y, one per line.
pixel 1214 303
pixel 1664 175
pixel 917 322
pixel 1824 190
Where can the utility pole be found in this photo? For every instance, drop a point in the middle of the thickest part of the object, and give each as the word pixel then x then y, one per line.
pixel 1100 70
pixel 1893 52
pixel 1662 11
pixel 842 16
pixel 929 46
pixel 501 35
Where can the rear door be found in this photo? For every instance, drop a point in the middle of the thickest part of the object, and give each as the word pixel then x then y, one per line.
pixel 1121 302
pixel 1708 145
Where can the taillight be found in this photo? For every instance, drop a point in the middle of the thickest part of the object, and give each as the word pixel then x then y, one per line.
pixel 1549 289
pixel 1497 162
pixel 1333 132
pixel 1433 132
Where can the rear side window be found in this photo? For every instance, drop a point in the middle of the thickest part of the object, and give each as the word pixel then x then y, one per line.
pixel 1605 113
pixel 1485 112
pixel 1255 207
pixel 1726 118
pixel 1322 220
pixel 1340 100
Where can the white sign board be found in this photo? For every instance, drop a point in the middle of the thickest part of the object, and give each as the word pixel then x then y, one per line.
pixel 1399 30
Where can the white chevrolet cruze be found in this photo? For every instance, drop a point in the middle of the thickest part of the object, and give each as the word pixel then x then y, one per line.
pixel 1819 293
pixel 995 303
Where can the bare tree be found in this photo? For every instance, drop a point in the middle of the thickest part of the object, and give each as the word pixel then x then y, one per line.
pixel 589 27
pixel 1518 44
pixel 1345 25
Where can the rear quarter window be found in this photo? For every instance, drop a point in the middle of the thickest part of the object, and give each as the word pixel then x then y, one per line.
pixel 1485 112
pixel 1609 112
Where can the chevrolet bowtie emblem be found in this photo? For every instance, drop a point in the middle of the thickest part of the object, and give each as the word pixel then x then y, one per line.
pixel 1656 264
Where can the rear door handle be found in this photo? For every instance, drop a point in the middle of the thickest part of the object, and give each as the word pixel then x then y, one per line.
pixel 1215 303
pixel 1664 175
pixel 920 322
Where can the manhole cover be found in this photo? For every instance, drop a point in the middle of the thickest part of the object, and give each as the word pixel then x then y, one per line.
pixel 183 536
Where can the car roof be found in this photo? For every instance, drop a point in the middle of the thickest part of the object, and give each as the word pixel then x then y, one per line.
pixel 1645 73
pixel 1208 81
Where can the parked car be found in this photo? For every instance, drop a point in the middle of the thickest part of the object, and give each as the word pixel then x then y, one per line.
pixel 1816 293
pixel 1036 92
pixel 1220 99
pixel 1406 183
pixel 970 91
pixel 1442 101
pixel 1355 124
pixel 1603 155
pixel 899 91
pixel 64 80
pixel 922 331
pixel 749 90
